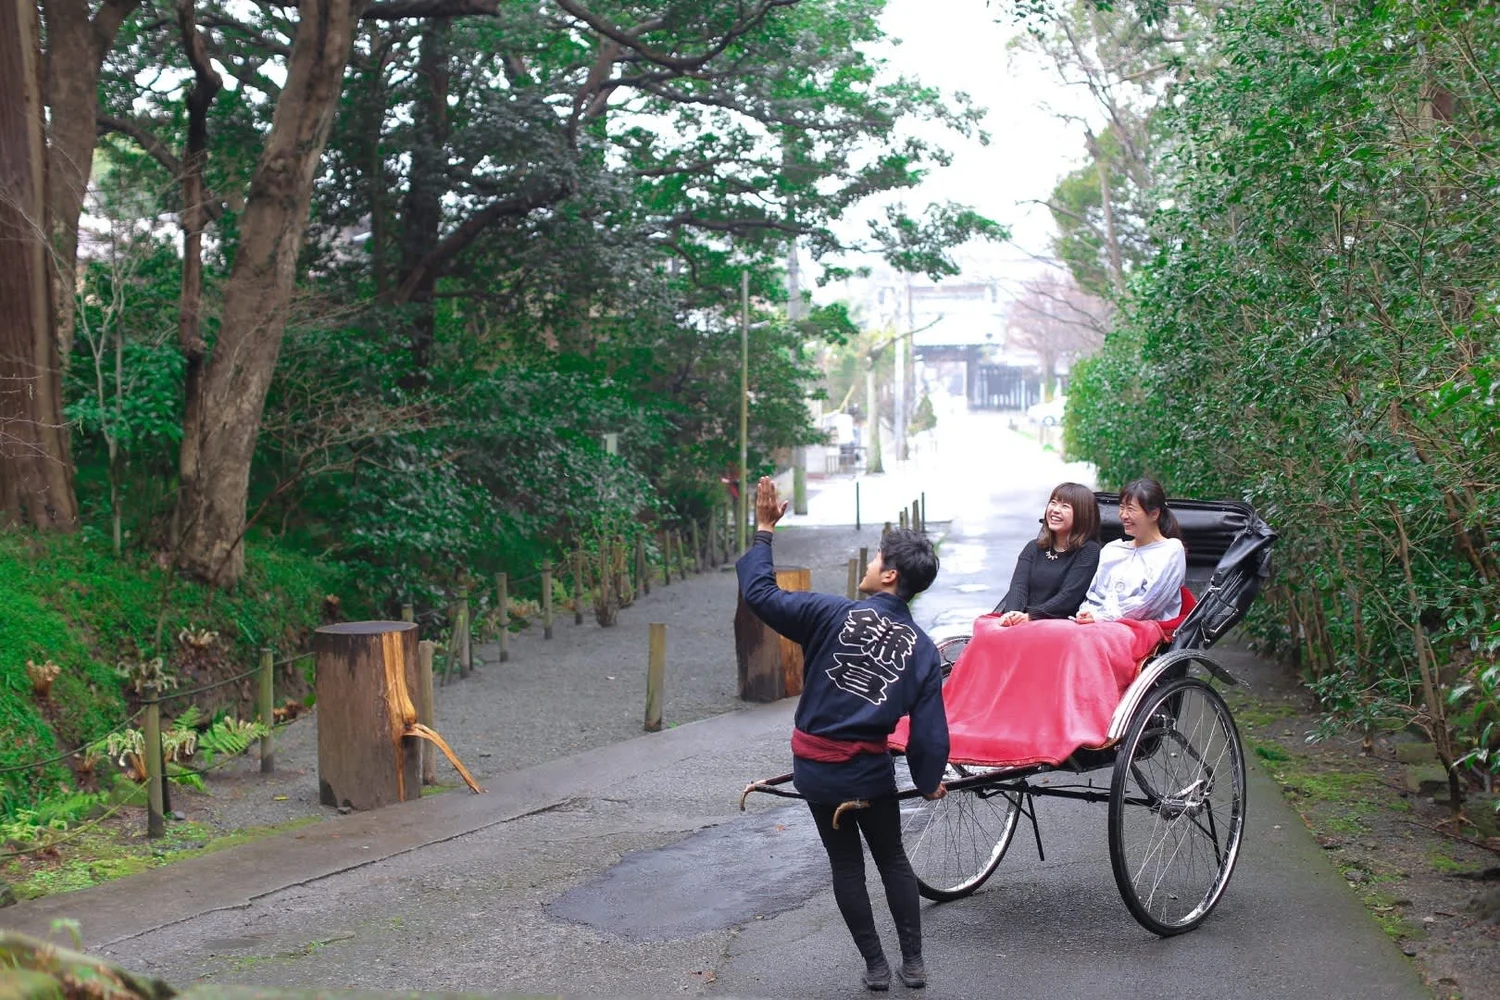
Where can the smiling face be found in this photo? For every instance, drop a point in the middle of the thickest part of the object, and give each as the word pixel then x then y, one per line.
pixel 1138 522
pixel 1059 517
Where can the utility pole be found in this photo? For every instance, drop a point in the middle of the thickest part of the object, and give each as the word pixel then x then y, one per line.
pixel 898 388
pixel 743 509
pixel 795 312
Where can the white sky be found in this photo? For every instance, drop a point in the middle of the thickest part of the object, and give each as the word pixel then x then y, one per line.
pixel 961 45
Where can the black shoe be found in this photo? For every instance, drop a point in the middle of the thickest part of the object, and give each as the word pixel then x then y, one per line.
pixel 913 973
pixel 877 976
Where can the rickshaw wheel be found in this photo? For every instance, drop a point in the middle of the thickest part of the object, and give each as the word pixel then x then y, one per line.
pixel 1177 807
pixel 957 842
pixel 950 649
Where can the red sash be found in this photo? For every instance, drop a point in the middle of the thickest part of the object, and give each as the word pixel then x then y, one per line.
pixel 830 751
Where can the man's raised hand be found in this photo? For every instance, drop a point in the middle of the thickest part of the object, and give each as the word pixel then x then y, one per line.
pixel 768 506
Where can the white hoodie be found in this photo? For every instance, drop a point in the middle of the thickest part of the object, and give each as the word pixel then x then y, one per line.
pixel 1138 581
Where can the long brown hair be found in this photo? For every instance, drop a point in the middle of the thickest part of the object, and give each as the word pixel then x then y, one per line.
pixel 1085 517
pixel 1149 496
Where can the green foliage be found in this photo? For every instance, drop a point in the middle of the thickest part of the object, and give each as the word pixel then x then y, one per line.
pixel 69 599
pixel 1319 333
pixel 229 737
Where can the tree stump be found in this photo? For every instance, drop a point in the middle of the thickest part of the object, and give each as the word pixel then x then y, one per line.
pixel 770 665
pixel 366 680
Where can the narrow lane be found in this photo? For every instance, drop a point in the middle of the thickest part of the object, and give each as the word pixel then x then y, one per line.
pixel 629 871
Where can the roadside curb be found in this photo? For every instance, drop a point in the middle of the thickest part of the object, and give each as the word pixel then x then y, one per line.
pixel 235 878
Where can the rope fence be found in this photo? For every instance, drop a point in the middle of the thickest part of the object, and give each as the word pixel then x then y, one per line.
pixel 12 768
pixel 621 574
pixel 225 682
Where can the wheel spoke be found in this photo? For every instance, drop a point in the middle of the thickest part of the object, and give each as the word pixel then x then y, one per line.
pixel 1172 855
pixel 955 843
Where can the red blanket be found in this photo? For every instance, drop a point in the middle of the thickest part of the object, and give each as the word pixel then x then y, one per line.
pixel 1036 692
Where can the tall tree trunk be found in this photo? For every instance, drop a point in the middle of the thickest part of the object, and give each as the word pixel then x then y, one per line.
pixel 206 84
pixel 211 504
pixel 1107 204
pixel 422 210
pixel 375 164
pixel 36 472
pixel 76 47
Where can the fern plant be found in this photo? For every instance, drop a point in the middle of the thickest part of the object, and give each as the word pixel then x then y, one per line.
pixel 229 737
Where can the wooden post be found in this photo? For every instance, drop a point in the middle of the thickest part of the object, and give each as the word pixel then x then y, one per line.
pixel 156 822
pixel 578 587
pixel 857 525
pixel 916 515
pixel 864 561
pixel 697 550
pixel 854 579
pixel 886 530
pixel 903 517
pixel 502 604
pixel 465 641
pixel 408 611
pixel 656 676
pixel 642 571
pixel 366 676
pixel 267 709
pixel 682 560
pixel 924 510
pixel 666 558
pixel 546 598
pixel 713 539
pixel 427 707
pixel 770 666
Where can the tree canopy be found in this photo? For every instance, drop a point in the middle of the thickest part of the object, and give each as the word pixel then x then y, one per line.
pixel 433 250
pixel 1316 331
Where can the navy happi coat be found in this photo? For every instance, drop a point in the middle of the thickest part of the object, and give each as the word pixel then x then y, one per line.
pixel 865 665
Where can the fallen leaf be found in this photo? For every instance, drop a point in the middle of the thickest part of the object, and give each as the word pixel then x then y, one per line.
pixel 279 798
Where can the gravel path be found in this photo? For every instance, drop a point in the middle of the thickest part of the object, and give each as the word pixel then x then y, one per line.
pixel 585 688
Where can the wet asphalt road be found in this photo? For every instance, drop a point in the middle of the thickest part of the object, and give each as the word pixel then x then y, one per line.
pixel 628 871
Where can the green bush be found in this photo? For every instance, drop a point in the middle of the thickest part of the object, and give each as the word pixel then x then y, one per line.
pixel 69 599
pixel 1319 333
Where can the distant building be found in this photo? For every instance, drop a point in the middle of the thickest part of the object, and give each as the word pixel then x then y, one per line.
pixel 960 344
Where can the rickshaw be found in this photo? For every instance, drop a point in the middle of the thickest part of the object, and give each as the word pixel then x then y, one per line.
pixel 1176 789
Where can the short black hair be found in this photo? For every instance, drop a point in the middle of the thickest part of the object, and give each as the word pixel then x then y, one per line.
pixel 910 554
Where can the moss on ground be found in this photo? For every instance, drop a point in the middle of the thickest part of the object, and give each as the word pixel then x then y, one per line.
pixel 108 853
pixel 70 600
pixel 1252 713
pixel 1441 859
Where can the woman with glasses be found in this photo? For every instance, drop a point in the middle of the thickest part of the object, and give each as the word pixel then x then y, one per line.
pixel 1140 576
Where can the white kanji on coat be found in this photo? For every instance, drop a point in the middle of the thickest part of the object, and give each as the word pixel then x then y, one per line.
pixel 875 653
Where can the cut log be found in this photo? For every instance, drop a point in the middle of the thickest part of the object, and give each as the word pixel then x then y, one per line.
pixel 770 665
pixel 365 673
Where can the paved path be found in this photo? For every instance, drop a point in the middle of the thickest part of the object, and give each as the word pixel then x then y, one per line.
pixel 626 870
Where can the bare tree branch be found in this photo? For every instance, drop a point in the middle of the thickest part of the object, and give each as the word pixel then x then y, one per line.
pixel 213 205
pixel 630 38
pixel 395 10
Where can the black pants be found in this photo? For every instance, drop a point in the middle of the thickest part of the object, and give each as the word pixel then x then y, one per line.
pixel 881 826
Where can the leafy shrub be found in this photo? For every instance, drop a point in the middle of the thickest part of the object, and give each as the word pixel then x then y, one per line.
pixel 1319 333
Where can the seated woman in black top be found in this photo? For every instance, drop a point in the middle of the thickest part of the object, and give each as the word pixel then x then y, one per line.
pixel 1053 573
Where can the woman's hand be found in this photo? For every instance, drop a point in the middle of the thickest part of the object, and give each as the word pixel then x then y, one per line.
pixel 1014 618
pixel 937 793
pixel 1084 617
